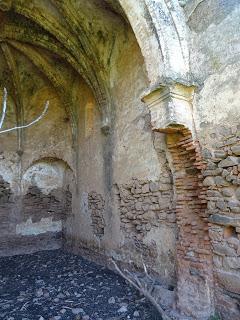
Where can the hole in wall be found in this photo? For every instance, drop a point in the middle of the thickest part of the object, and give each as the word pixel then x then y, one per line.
pixel 230 232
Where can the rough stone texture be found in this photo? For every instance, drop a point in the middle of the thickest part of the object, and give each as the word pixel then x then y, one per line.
pixel 223 211
pixel 145 205
pixel 96 206
pixel 36 204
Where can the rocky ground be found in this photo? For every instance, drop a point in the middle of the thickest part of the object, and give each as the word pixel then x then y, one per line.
pixel 54 285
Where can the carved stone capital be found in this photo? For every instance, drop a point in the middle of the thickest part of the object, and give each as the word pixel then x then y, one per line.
pixel 170 107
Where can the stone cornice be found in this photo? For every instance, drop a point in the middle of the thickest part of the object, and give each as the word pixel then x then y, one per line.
pixel 170 107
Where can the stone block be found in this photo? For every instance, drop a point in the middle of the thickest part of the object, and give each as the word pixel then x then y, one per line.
pixel 220 181
pixel 228 162
pixel 209 181
pixel 237 182
pixel 211 205
pixel 145 207
pixel 221 205
pixel 217 261
pixel 224 250
pixel 171 217
pixel 236 150
pixel 154 186
pixel 227 192
pixel 211 165
pixel 215 172
pixel 234 242
pixel 165 187
pixel 149 215
pixel 233 203
pixel 215 235
pixel 138 206
pixel 213 193
pixel 224 220
pixel 235 170
pixel 145 188
pixel 220 154
pixel 237 193
pixel 229 280
pixel 225 173
pixel 165 180
pixel 206 153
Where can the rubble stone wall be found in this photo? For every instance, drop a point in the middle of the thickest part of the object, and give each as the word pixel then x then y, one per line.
pixel 144 205
pixel 96 205
pixel 222 180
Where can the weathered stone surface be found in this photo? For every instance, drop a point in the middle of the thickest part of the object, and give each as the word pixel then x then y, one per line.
pixel 229 280
pixel 229 162
pixel 238 193
pixel 217 261
pixel 215 172
pixel 227 192
pixel 145 188
pixel 154 186
pixel 231 263
pixel 221 205
pixel 225 173
pixel 225 220
pixel 233 203
pixel 213 193
pixel 220 181
pixel 96 205
pixel 236 150
pixel 220 154
pixel 224 250
pixel 209 181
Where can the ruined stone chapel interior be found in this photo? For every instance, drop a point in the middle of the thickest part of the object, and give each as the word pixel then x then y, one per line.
pixel 138 155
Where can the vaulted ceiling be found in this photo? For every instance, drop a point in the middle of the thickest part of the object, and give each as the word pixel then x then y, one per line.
pixel 61 37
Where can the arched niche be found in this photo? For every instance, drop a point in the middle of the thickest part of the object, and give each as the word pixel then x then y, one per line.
pixel 47 187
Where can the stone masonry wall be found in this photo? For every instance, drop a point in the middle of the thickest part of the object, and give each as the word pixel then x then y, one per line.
pixel 144 205
pixel 147 216
pixel 36 223
pixel 38 205
pixel 222 178
pixel 96 205
pixel 6 204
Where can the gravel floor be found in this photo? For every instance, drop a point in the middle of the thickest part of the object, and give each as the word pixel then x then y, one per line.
pixel 57 285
